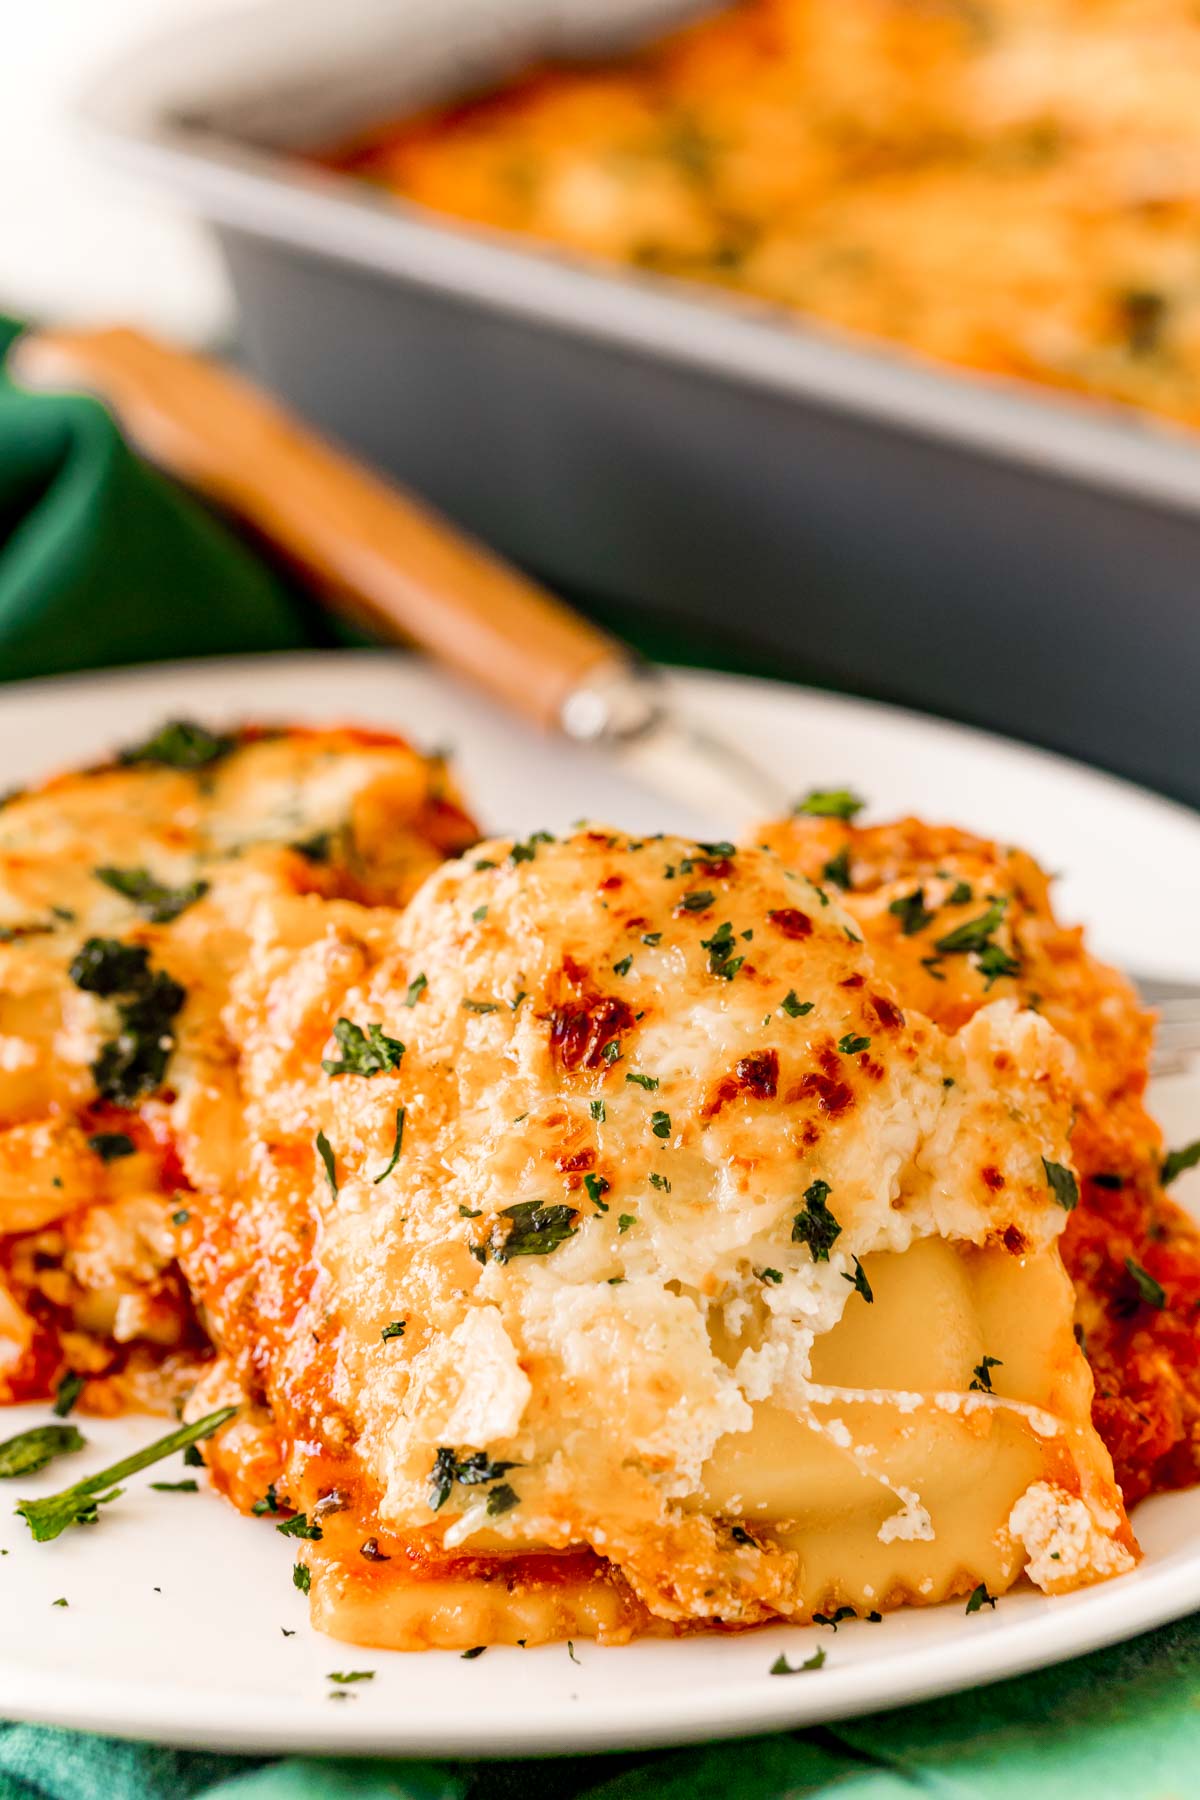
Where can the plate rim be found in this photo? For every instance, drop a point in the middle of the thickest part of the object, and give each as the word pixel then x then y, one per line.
pixel 681 676
pixel 743 1707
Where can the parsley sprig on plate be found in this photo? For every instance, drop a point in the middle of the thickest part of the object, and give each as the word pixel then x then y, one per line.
pixel 32 1450
pixel 79 1505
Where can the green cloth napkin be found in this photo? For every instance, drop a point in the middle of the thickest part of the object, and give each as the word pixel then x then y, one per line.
pixel 103 562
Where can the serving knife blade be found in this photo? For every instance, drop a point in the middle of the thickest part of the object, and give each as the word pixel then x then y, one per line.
pixel 627 709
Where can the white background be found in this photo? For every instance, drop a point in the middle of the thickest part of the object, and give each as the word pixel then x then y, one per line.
pixel 77 241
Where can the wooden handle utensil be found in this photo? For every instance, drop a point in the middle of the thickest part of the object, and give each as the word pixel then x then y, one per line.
pixel 381 558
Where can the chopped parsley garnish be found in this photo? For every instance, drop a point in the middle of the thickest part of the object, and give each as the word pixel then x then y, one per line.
pixel 596 1187
pixel 1150 1292
pixel 314 849
pixel 837 870
pixel 106 966
pixel 110 1146
pixel 596 1108
pixel 344 1677
pixel 995 962
pixel 153 899
pixel 830 803
pixel 535 1230
pixel 180 1216
pixel 649 1082
pixel 69 1388
pixel 660 1124
pixel 781 1665
pixel 717 852
pixel 79 1505
pixel 528 850
pixel 1063 1184
pixel 298 1527
pixel 502 1499
pixel 774 1276
pixel 661 1183
pixel 975 935
pixel 479 915
pixel 394 1330
pixel 477 1470
pixel 1177 1161
pixel 571 1653
pixel 397 1146
pixel 699 900
pixel 834 1619
pixel 859 1282
pixel 301 1578
pixel 652 938
pixel 625 1221
pixel 481 1006
pixel 612 1051
pixel 960 894
pixel 369 1052
pixel 720 947
pixel 31 1450
pixel 794 1008
pixel 473 1652
pixel 135 1061
pixel 912 912
pixel 325 1152
pixel 816 1225
pixel 981 1598
pixel 623 967
pixel 850 1045
pixel 268 1504
pixel 176 1487
pixel 179 744
pixel 982 1374
pixel 416 988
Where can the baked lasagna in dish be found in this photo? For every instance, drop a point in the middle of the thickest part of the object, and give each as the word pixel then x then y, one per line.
pixel 1003 186
pixel 594 1236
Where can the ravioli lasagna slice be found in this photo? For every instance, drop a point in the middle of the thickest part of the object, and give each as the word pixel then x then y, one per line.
pixel 609 1249
pixel 956 922
pixel 125 892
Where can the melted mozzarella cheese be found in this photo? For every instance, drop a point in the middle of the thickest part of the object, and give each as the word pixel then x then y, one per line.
pixel 698 1240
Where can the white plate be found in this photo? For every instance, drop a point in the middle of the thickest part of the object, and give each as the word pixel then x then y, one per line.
pixel 174 1627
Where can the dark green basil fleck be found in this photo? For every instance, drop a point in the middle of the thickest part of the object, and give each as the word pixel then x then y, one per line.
pixel 816 1225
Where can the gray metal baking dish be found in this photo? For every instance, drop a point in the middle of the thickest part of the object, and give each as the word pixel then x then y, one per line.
pixel 1026 562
